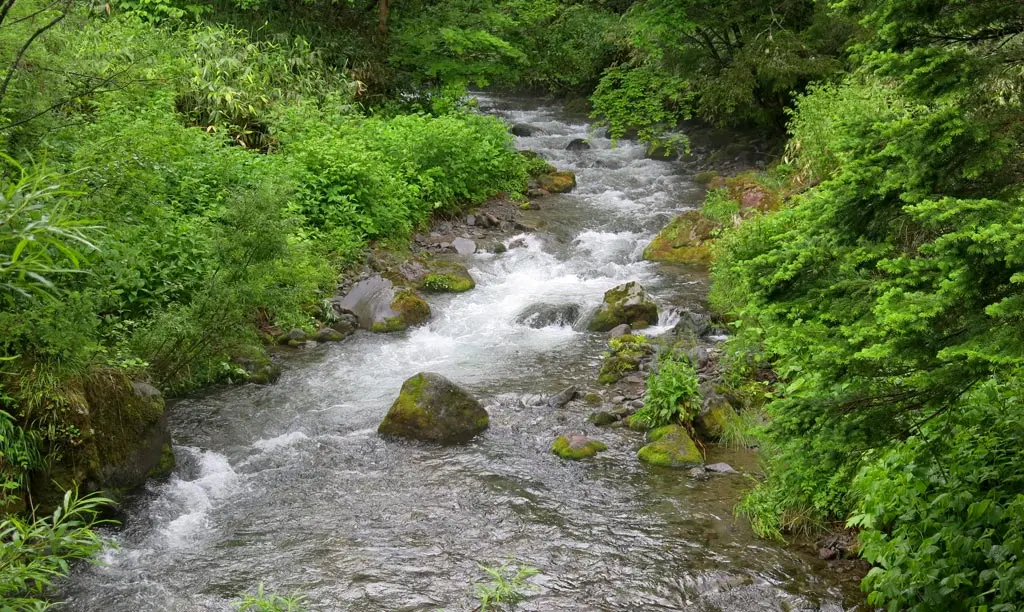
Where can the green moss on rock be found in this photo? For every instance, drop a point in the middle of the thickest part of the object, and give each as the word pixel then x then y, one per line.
pixel 712 422
pixel 449 282
pixel 670 446
pixel 123 437
pixel 432 408
pixel 686 239
pixel 576 447
pixel 409 308
pixel 624 355
pixel 557 182
pixel 628 303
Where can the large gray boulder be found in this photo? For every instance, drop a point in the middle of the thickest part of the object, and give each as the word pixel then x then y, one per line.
pixel 629 304
pixel 381 307
pixel 434 409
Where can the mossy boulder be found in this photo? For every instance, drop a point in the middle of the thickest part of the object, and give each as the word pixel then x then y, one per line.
pixel 328 334
pixel 454 280
pixel 381 307
pixel 602 419
pixel 713 420
pixel 257 365
pixel 423 272
pixel 122 438
pixel 628 303
pixel 670 446
pixel 557 182
pixel 409 309
pixel 686 239
pixel 625 354
pixel 661 152
pixel 576 447
pixel 434 409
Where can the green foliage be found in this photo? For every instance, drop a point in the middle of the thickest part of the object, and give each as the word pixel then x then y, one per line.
pixel 40 236
pixel 507 586
pixel 456 42
pixel 673 393
pixel 741 431
pixel 646 99
pixel 949 503
pixel 35 553
pixel 731 63
pixel 262 601
pixel 887 298
pixel 720 207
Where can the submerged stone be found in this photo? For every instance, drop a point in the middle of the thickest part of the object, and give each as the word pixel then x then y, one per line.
pixel 602 419
pixel 671 446
pixel 629 304
pixel 577 144
pixel 434 409
pixel 539 316
pixel 576 447
pixel 720 468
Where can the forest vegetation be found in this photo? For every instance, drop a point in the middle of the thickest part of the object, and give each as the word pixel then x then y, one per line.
pixel 178 178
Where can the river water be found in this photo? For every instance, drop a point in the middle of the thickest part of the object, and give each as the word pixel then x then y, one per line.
pixel 289 484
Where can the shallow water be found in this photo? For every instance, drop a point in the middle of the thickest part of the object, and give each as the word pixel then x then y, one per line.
pixel 289 485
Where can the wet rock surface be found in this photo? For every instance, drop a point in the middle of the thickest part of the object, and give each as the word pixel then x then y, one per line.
pixel 434 409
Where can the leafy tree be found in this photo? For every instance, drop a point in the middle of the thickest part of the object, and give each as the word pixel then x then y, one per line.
pixel 731 63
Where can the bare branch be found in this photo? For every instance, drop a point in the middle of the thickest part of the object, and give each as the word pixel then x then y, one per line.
pixel 24 48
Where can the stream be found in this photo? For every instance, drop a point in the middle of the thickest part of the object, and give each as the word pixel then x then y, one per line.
pixel 289 484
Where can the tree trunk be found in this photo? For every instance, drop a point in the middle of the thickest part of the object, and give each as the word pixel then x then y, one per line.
pixel 383 8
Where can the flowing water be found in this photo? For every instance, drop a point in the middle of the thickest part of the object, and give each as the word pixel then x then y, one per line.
pixel 289 484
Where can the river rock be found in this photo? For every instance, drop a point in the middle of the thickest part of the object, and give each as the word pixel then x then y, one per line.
pixel 422 271
pixel 577 144
pixel 123 439
pixel 523 130
pixel 628 303
pixel 432 408
pixel 661 152
pixel 692 325
pixel 714 418
pixel 538 316
pixel 563 397
pixel 464 246
pixel 621 330
pixel 602 419
pixel 686 239
pixel 720 468
pixel 557 182
pixel 295 337
pixel 327 334
pixel 670 446
pixel 380 307
pixel 257 365
pixel 576 446
pixel 344 321
pixel 625 355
